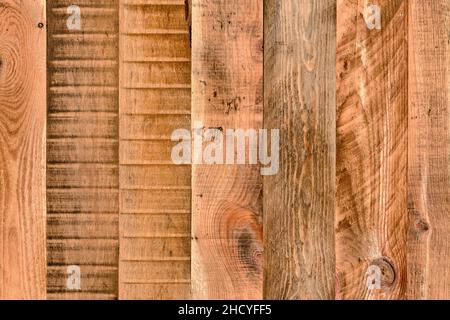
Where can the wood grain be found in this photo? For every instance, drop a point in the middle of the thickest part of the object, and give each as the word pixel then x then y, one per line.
pixel 429 150
pixel 227 75
pixel 155 194
pixel 82 162
pixel 371 198
pixel 299 90
pixel 22 149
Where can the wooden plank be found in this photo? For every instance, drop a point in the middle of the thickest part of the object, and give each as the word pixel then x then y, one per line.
pixel 83 150
pixel 227 70
pixel 299 91
pixel 22 151
pixel 155 194
pixel 429 150
pixel 371 198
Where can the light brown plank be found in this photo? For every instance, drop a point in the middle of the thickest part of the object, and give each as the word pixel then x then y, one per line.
pixel 22 149
pixel 227 70
pixel 371 198
pixel 299 100
pixel 83 150
pixel 155 196
pixel 429 150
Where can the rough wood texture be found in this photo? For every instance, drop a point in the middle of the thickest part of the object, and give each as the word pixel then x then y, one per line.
pixel 371 201
pixel 22 149
pixel 155 194
pixel 299 90
pixel 429 150
pixel 227 89
pixel 82 162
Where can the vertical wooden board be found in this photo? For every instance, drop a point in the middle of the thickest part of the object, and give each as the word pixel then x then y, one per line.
pixel 299 90
pixel 155 194
pixel 429 150
pixel 227 75
pixel 82 162
pixel 22 151
pixel 371 196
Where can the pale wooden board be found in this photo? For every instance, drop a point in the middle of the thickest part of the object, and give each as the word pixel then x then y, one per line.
pixel 155 194
pixel 227 76
pixel 22 149
pixel 429 150
pixel 299 90
pixel 371 165
pixel 82 161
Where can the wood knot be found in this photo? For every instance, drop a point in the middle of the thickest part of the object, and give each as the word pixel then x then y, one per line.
pixel 40 25
pixel 250 250
pixel 386 271
pixel 421 226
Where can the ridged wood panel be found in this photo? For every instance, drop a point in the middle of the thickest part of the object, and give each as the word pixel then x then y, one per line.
pixel 371 164
pixel 227 51
pixel 429 150
pixel 82 161
pixel 22 149
pixel 155 194
pixel 300 92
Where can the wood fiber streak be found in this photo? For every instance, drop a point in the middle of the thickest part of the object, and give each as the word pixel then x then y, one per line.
pixel 22 149
pixel 299 89
pixel 429 150
pixel 371 198
pixel 155 194
pixel 227 72
pixel 83 155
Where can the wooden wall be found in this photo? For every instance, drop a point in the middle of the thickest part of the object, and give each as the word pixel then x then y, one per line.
pixel 359 92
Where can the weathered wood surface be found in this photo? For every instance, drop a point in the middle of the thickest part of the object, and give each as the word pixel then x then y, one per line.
pixel 22 149
pixel 155 194
pixel 227 75
pixel 299 90
pixel 85 151
pixel 82 160
pixel 371 165
pixel 429 150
